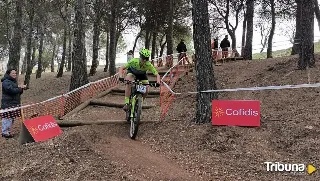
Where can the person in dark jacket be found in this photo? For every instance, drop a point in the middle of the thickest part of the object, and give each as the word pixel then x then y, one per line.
pixel 216 44
pixel 11 93
pixel 181 49
pixel 225 44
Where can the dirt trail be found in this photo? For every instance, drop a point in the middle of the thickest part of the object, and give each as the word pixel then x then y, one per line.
pixel 141 162
pixel 136 158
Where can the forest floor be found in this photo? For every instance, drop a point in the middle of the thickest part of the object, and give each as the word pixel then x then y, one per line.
pixel 176 148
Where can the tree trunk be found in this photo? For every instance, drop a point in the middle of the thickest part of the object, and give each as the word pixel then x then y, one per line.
pixel 15 46
pixel 136 40
pixel 117 40
pixel 249 37
pixel 33 55
pixel 96 38
pixel 39 71
pixel 244 28
pixel 169 33
pixel 298 34
pixel 95 46
pixel 162 45
pixel 113 43
pixel 64 47
pixel 232 34
pixel 307 23
pixel 154 44
pixel 162 48
pixel 147 40
pixel 157 50
pixel 233 40
pixel 232 29
pixel 7 19
pixel 69 49
pixel 204 67
pixel 264 38
pixel 53 56
pixel 273 26
pixel 24 63
pixel 317 11
pixel 107 53
pixel 79 75
pixel 29 42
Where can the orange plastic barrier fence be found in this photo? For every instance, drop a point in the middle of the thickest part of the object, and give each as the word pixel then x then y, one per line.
pixel 63 104
pixel 169 61
pixel 169 80
pixel 219 54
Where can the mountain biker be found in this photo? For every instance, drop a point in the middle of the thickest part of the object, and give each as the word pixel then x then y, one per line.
pixel 137 67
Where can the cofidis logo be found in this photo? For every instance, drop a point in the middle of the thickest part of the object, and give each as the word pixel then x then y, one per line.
pixel 43 127
pixel 236 113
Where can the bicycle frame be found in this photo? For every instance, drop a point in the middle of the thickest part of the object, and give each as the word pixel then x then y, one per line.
pixel 133 96
pixel 134 93
pixel 135 102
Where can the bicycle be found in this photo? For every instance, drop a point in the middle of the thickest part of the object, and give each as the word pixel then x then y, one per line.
pixel 135 103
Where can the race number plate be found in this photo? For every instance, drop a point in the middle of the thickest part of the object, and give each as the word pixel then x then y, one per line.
pixel 141 88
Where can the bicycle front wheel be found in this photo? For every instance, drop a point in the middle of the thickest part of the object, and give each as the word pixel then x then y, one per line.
pixel 135 120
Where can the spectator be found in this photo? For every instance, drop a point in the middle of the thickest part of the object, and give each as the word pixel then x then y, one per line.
pixel 214 47
pixel 10 98
pixel 129 55
pixel 182 49
pixel 225 44
pixel 216 44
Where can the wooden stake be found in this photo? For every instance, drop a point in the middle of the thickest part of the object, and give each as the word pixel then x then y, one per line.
pixel 25 136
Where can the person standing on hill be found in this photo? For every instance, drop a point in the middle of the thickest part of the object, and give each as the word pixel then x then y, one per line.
pixel 225 44
pixel 214 48
pixel 216 43
pixel 181 49
pixel 11 93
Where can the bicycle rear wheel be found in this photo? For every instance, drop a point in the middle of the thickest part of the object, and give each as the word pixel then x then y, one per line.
pixel 135 120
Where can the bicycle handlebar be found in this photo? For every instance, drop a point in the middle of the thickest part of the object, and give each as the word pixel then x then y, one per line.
pixel 151 83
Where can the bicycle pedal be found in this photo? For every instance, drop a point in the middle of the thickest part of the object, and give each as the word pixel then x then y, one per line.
pixel 126 107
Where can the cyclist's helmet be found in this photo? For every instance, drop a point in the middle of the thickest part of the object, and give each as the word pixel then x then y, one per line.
pixel 145 54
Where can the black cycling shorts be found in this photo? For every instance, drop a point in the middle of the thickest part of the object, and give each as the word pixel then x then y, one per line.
pixel 142 77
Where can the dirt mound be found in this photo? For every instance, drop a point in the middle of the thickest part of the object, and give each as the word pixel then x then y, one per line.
pixel 289 131
pixel 69 156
